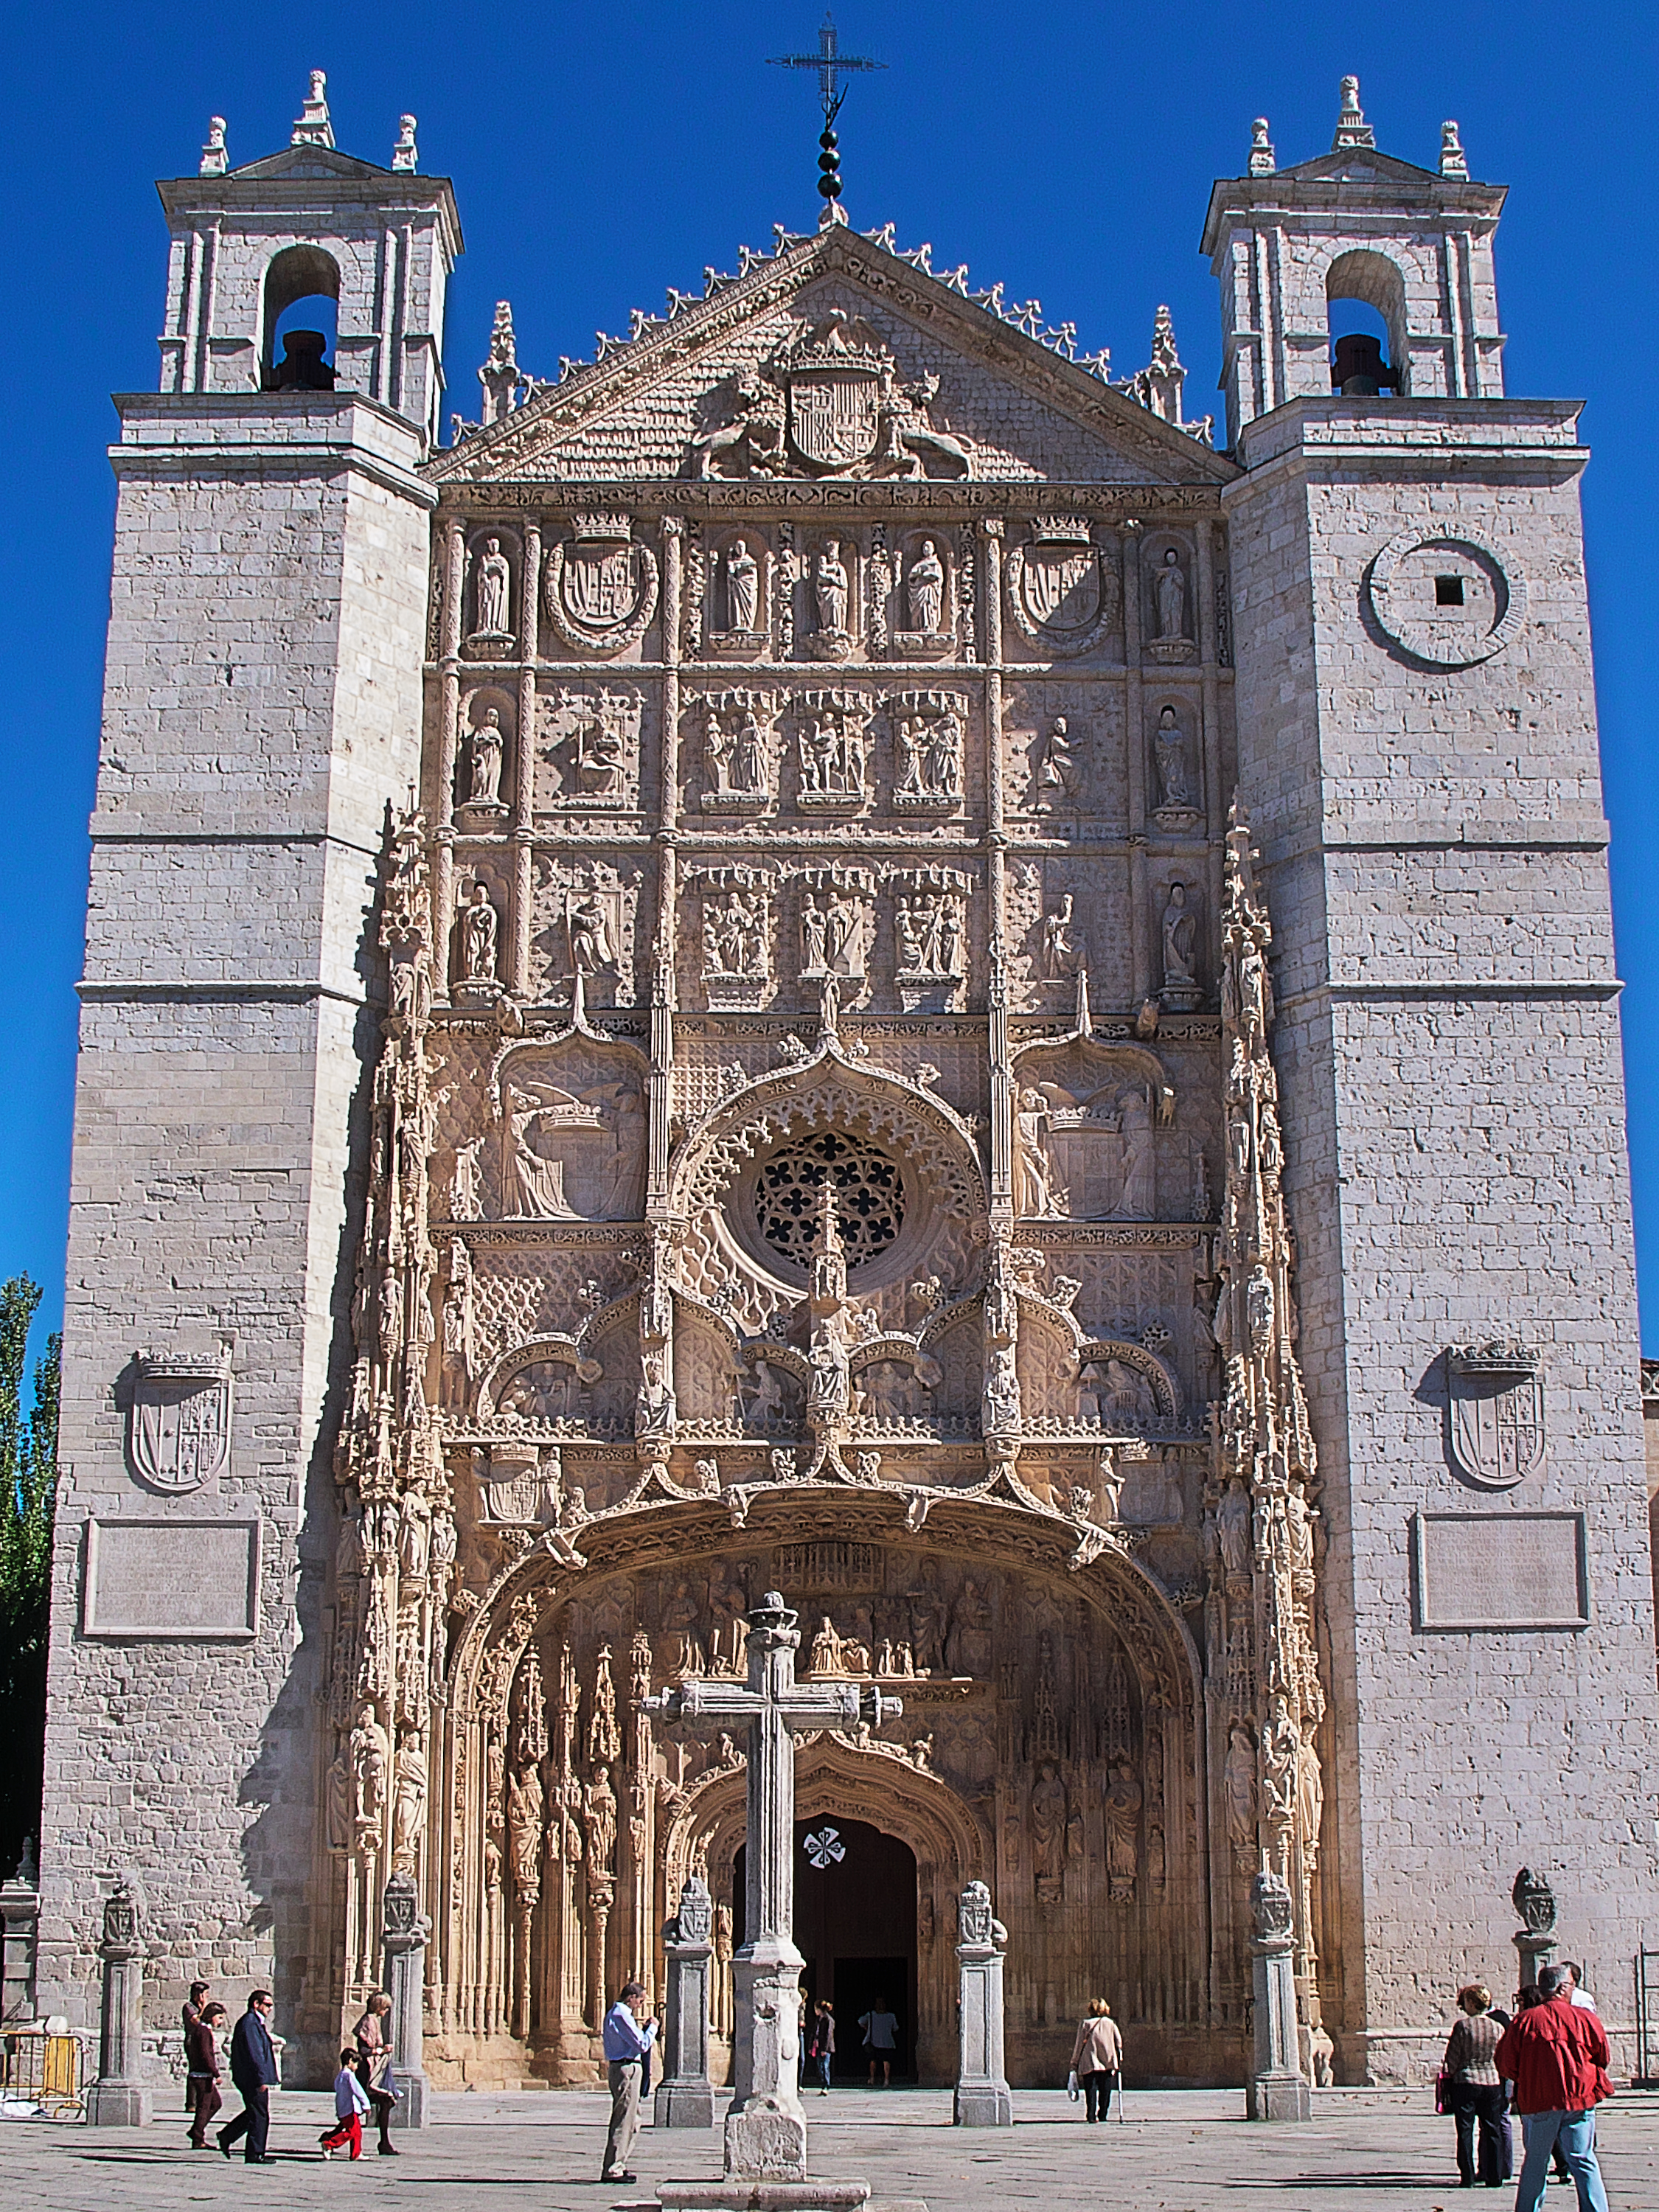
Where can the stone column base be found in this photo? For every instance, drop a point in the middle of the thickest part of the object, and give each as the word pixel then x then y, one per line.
pixel 118 2104
pixel 735 2194
pixel 983 2105
pixel 414 2106
pixel 1278 2097
pixel 766 2143
pixel 682 2104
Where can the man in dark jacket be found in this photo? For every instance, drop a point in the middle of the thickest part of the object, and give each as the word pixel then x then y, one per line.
pixel 1556 2054
pixel 253 2069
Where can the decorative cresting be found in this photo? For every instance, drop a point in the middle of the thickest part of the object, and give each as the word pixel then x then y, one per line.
pixel 1261 1511
pixel 395 1557
pixel 869 1196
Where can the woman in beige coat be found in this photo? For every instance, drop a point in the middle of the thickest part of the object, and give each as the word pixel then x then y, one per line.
pixel 1098 2059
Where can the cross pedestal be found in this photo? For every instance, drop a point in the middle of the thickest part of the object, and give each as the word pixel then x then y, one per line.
pixel 766 2127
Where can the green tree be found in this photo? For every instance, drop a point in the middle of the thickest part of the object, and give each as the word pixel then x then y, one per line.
pixel 28 1483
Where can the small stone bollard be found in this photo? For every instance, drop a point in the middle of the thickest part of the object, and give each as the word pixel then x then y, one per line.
pixel 1278 2089
pixel 686 2096
pixel 120 2098
pixel 983 2099
pixel 403 1931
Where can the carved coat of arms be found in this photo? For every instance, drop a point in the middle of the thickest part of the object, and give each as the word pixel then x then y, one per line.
pixel 601 586
pixel 1061 590
pixel 179 1424
pixel 1496 1412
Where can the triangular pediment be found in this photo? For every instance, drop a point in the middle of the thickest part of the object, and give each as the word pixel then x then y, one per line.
pixel 834 357
pixel 307 162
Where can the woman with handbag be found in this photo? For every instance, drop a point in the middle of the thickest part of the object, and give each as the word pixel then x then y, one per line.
pixel 1098 2059
pixel 374 2055
pixel 1470 2088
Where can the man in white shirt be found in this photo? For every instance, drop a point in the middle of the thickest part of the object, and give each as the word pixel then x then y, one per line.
pixel 627 2040
pixel 1581 1995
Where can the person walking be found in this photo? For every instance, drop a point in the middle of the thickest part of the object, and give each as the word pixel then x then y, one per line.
pixel 203 2071
pixel 191 2011
pixel 880 2040
pixel 253 2069
pixel 1556 2054
pixel 628 2041
pixel 351 2107
pixel 1098 2059
pixel 1476 2092
pixel 375 2064
pixel 821 2050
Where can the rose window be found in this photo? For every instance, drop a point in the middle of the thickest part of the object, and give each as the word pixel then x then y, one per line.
pixel 869 1197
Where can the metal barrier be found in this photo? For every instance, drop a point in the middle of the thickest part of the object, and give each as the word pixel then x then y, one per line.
pixel 43 2070
pixel 1647 2021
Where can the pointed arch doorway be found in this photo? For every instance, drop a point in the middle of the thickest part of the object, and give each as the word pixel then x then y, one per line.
pixel 855 1926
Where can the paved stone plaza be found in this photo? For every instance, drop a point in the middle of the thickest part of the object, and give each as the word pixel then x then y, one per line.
pixel 1178 2151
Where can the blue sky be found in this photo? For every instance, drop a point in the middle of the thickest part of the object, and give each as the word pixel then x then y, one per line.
pixel 600 154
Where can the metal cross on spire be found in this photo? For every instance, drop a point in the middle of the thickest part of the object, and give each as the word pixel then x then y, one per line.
pixel 832 65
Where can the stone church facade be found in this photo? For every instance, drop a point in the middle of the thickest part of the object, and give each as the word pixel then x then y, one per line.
pixel 834 954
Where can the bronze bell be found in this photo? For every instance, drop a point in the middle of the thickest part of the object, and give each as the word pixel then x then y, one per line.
pixel 302 367
pixel 1359 371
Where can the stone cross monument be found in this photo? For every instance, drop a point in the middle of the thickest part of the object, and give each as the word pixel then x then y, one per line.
pixel 766 2128
pixel 983 2099
pixel 120 2098
pixel 686 2096
pixel 404 1932
pixel 1278 2089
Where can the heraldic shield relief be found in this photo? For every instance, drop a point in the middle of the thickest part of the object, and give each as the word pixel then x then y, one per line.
pixel 1496 1412
pixel 179 1424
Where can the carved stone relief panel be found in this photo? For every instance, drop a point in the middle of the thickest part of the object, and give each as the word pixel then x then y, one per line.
pixel 1064 583
pixel 834 768
pixel 1089 1119
pixel 589 748
pixel 1064 754
pixel 1169 603
pixel 600 588
pixel 572 1125
pixel 485 760
pixel 1064 917
pixel 729 753
pixel 586 922
pixel 835 908
pixel 929 731
pixel 734 947
pixel 930 909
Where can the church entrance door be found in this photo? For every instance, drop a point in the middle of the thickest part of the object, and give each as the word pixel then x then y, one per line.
pixel 855 1926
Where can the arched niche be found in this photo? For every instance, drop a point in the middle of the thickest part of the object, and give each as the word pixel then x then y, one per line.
pixel 572 1115
pixel 1365 295
pixel 485 759
pixel 301 292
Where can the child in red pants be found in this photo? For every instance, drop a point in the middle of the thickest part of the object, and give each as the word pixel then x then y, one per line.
pixel 351 2104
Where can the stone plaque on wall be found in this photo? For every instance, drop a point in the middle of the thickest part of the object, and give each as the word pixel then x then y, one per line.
pixel 1500 1570
pixel 172 1578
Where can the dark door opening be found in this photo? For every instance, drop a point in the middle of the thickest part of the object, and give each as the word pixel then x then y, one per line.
pixel 855 1926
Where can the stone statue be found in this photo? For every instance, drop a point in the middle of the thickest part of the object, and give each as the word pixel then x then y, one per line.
pixel 599 1804
pixel 486 752
pixel 409 1789
pixel 748 758
pixel 925 590
pixel 1179 930
pixel 682 1653
pixel 1060 951
pixel 1137 1202
pixel 943 765
pixel 1123 1802
pixel 967 1649
pixel 591 944
pixel 1169 746
pixel 926 1612
pixel 525 1808
pixel 480 925
pixel 742 587
pixel 830 589
pixel 1310 1796
pixel 824 1657
pixel 492 581
pixel 338 1805
pixel 908 783
pixel 1232 1522
pixel 1058 777
pixel 1037 1190
pixel 1238 1788
pixel 1048 1820
pixel 1170 587
pixel 464 1187
pixel 371 1761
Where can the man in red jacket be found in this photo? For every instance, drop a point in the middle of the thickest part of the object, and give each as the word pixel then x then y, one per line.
pixel 1556 2055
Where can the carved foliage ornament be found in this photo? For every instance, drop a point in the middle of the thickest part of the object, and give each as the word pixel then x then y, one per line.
pixel 601 589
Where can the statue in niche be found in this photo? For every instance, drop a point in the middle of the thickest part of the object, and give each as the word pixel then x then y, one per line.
pixel 485 750
pixel 1238 1788
pixel 1310 1796
pixel 371 1764
pixel 1179 929
pixel 1281 1750
pixel 465 1196
pixel 409 1791
pixel 1170 746
pixel 908 784
pixel 1232 1522
pixel 338 1802
pixel 729 1637
pixel 480 928
pixel 742 587
pixel 1048 1822
pixel 968 1649
pixel 1170 590
pixel 526 1807
pixel 1123 1802
pixel 748 758
pixel 599 1807
pixel 943 768
pixel 492 581
pixel 683 1654
pixel 927 1619
pixel 889 1392
pixel 830 588
pixel 1059 959
pixel 925 590
pixel 1138 1201
pixel 734 935
pixel 1259 1310
pixel 1059 778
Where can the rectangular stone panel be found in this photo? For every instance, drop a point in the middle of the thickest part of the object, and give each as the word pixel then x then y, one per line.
pixel 172 1578
pixel 1500 1570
